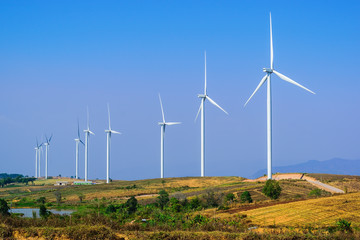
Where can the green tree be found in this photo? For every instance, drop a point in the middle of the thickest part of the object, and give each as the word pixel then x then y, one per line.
pixel 175 205
pixel 195 203
pixel 229 197
pixel 272 189
pixel 4 208
pixel 43 212
pixel 246 197
pixel 131 204
pixel 163 199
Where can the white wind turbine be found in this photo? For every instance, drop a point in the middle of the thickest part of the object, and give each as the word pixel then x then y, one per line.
pixel 47 144
pixel 108 143
pixel 77 141
pixel 39 149
pixel 87 135
pixel 267 78
pixel 163 124
pixel 37 156
pixel 202 109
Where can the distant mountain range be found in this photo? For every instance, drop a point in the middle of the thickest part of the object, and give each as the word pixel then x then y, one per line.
pixel 332 166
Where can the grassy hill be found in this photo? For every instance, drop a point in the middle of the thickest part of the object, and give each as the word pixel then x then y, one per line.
pixel 102 213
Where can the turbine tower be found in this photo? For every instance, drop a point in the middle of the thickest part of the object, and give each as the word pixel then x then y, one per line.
pixel 47 144
pixel 163 125
pixel 267 78
pixel 37 155
pixel 202 109
pixel 39 148
pixel 87 135
pixel 108 143
pixel 77 141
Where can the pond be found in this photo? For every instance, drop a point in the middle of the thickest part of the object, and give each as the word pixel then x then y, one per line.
pixel 28 212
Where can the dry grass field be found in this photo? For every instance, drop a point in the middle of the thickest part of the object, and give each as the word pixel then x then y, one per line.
pixel 320 211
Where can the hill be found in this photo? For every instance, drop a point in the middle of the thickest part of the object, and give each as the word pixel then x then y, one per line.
pixel 332 166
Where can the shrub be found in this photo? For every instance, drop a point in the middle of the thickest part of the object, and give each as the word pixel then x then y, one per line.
pixel 343 225
pixel 44 213
pixel 163 199
pixel 175 205
pixel 272 189
pixel 110 209
pixel 229 197
pixel 195 203
pixel 246 197
pixel 4 208
pixel 212 199
pixel 131 205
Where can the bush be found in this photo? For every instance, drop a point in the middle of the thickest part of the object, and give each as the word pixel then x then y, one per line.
pixel 4 208
pixel 195 204
pixel 131 205
pixel 212 199
pixel 81 197
pixel 163 199
pixel 175 205
pixel 44 213
pixel 317 192
pixel 343 225
pixel 229 197
pixel 246 197
pixel 272 189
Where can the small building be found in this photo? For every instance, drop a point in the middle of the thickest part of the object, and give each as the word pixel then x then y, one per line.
pixel 61 183
pixel 83 183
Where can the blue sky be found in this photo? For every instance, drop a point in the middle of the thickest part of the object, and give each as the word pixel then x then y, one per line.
pixel 57 57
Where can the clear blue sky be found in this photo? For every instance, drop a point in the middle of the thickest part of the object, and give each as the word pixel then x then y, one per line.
pixel 57 57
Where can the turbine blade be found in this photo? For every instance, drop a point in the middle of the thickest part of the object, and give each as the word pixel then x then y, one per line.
pixel 217 105
pixel 172 123
pixel 82 143
pixel 205 88
pixel 271 46
pixel 78 128
pixel 112 131
pixel 257 88
pixel 109 115
pixel 91 132
pixel 199 110
pixel 50 137
pixel 88 124
pixel 285 78
pixel 162 110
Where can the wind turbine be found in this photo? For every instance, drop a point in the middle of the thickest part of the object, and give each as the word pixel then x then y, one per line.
pixel 77 141
pixel 37 154
pixel 267 78
pixel 39 149
pixel 47 144
pixel 87 135
pixel 108 143
pixel 163 125
pixel 202 109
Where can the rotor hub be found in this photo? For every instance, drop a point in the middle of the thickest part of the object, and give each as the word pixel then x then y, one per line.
pixel 268 70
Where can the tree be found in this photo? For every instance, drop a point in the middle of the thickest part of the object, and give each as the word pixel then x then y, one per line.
pixel 175 205
pixel 229 197
pixel 195 203
pixel 4 208
pixel 212 199
pixel 43 212
pixel 58 197
pixel 131 204
pixel 163 199
pixel 246 197
pixel 272 189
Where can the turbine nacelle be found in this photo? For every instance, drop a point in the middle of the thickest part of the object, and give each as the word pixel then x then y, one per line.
pixel 268 70
pixel 202 96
